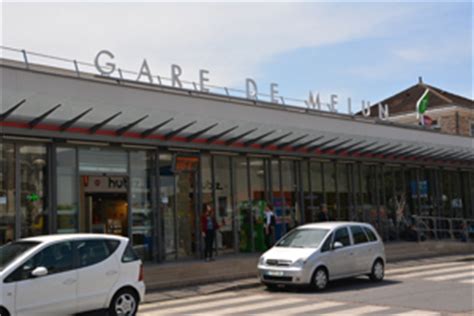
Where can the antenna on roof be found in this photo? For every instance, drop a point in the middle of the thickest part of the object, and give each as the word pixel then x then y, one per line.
pixel 420 80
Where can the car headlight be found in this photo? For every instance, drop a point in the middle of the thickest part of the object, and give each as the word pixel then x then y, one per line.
pixel 298 263
pixel 261 260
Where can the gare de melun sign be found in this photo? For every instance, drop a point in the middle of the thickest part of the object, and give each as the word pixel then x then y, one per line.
pixel 107 68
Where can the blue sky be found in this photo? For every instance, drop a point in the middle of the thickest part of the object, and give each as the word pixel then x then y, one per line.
pixel 363 50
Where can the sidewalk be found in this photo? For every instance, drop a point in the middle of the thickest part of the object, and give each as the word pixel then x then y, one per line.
pixel 180 279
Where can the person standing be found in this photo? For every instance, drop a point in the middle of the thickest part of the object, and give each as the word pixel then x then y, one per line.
pixel 269 225
pixel 209 227
pixel 324 214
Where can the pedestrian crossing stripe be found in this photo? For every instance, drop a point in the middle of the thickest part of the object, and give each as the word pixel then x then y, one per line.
pixel 305 308
pixel 361 310
pixel 471 281
pixel 418 313
pixel 423 267
pixel 215 304
pixel 431 272
pixel 270 303
pixel 452 276
pixel 188 300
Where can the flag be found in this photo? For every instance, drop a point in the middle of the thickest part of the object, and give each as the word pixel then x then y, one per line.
pixel 422 105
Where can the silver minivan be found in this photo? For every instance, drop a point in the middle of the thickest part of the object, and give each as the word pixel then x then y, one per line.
pixel 315 254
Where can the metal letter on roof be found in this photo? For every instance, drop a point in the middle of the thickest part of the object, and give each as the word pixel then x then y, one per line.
pixel 145 71
pixel 101 69
pixel 175 73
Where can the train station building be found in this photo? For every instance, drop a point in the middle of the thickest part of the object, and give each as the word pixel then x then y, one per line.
pixel 82 151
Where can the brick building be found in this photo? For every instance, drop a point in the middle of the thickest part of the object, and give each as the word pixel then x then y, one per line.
pixel 448 112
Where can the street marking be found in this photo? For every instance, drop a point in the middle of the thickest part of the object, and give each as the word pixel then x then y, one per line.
pixel 250 307
pixel 423 267
pixel 193 299
pixel 438 271
pixel 418 313
pixel 191 308
pixel 358 310
pixel 451 276
pixel 304 309
pixel 471 281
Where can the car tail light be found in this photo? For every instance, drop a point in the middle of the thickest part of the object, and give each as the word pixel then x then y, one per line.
pixel 141 273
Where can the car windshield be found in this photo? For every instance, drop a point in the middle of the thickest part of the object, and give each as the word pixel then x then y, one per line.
pixel 13 250
pixel 303 238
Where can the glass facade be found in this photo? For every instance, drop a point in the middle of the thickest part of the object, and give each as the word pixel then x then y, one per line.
pixel 156 197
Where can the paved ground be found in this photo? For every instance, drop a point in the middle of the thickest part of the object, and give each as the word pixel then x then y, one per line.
pixel 440 286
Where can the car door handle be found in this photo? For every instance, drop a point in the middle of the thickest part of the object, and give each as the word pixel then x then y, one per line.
pixel 69 281
pixel 111 272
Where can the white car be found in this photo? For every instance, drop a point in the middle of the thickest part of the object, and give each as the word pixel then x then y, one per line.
pixel 69 274
pixel 314 254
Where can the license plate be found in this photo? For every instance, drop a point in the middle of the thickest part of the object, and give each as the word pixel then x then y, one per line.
pixel 275 273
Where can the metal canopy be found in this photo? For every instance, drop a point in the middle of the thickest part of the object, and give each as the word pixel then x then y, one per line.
pixel 339 150
pixel 288 143
pixel 40 118
pixel 331 147
pixel 305 144
pixel 221 134
pixel 71 122
pixel 322 144
pixel 391 149
pixel 375 149
pixel 7 113
pixel 200 132
pixel 153 129
pixel 275 140
pixel 239 137
pixel 420 152
pixel 98 126
pixel 258 138
pixel 353 150
pixel 127 127
pixel 410 151
pixel 179 130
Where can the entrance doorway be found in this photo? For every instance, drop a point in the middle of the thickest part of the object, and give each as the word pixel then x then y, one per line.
pixel 104 201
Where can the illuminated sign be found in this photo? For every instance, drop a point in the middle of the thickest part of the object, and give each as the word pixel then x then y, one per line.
pixel 185 163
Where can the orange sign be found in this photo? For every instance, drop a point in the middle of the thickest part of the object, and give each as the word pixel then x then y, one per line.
pixel 186 163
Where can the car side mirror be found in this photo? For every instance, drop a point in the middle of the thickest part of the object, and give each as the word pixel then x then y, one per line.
pixel 39 272
pixel 337 245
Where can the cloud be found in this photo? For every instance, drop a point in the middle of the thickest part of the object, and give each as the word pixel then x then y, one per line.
pixel 231 40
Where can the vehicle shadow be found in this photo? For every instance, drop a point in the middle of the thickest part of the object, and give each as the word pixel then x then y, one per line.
pixel 339 286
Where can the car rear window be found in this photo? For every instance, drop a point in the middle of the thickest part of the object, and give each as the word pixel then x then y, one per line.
pixel 370 234
pixel 92 251
pixel 129 254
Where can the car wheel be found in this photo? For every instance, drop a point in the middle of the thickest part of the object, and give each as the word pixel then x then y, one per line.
pixel 320 279
pixel 4 312
pixel 378 271
pixel 124 303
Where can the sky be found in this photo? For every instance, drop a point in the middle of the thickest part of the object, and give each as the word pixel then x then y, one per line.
pixel 363 50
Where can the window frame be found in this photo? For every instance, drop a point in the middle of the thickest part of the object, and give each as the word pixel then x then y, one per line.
pixel 351 243
pixel 368 229
pixel 74 266
pixel 104 240
pixel 367 240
